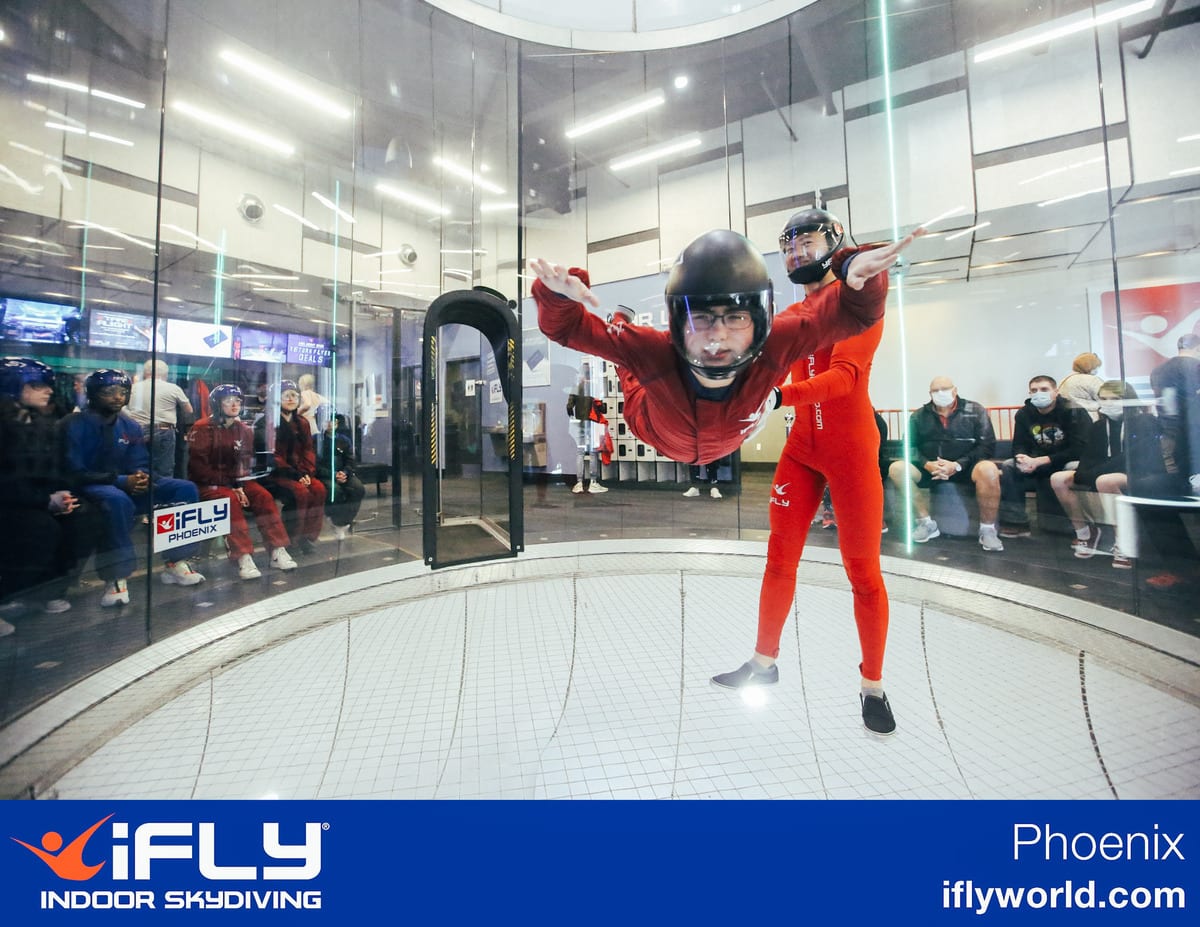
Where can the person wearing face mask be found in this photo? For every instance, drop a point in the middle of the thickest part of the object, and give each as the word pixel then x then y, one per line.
pixel 1048 436
pixel 1101 468
pixel 1081 385
pixel 951 440
pixel 699 391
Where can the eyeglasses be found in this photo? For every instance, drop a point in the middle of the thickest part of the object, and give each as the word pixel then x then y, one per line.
pixel 735 321
pixel 113 392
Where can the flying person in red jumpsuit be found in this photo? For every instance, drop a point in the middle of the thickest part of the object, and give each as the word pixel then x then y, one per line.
pixel 698 391
pixel 834 441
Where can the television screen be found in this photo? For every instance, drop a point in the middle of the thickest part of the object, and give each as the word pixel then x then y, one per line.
pixel 44 323
pixel 313 352
pixel 202 339
pixel 256 345
pixel 122 330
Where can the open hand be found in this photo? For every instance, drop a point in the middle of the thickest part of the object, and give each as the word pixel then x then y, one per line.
pixel 555 277
pixel 868 264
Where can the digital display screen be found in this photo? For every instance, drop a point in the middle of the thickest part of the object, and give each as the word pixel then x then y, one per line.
pixel 122 330
pixel 312 352
pixel 202 339
pixel 37 322
pixel 251 344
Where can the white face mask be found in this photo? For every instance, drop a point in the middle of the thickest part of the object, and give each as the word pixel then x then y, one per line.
pixel 1041 400
pixel 942 397
pixel 1112 408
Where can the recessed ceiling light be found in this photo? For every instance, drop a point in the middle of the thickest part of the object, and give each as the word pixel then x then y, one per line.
pixel 681 81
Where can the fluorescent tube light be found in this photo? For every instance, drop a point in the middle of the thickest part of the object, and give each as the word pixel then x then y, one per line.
pixel 299 218
pixel 616 115
pixel 655 154
pixel 325 201
pixel 111 138
pixel 962 232
pixel 1189 138
pixel 285 85
pixel 125 101
pixel 75 130
pixel 412 199
pixel 1063 29
pixel 1185 171
pixel 56 82
pixel 236 129
pixel 263 276
pixel 1060 170
pixel 467 174
pixel 1072 196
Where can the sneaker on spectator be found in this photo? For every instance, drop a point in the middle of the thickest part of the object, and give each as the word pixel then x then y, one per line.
pixel 578 487
pixel 1085 548
pixel 877 714
pixel 748 674
pixel 282 560
pixel 595 486
pixel 5 628
pixel 56 606
pixel 715 493
pixel 691 493
pixel 926 530
pixel 180 573
pixel 340 532
pixel 11 608
pixel 988 539
pixel 116 593
pixel 247 568
pixel 827 519
pixel 1015 531
pixel 1121 561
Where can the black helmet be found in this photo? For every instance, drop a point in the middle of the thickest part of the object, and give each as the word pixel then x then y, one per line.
pixel 17 372
pixel 285 385
pixel 720 268
pixel 219 394
pixel 102 379
pixel 809 268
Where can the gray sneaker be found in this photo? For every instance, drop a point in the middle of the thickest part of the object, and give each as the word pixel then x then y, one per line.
pixel 748 674
pixel 926 530
pixel 989 539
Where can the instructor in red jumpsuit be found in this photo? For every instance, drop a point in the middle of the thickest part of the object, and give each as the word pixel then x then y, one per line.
pixel 834 442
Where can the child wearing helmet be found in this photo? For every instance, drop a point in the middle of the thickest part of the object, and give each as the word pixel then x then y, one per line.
pixel 698 391
pixel 221 463
pixel 109 464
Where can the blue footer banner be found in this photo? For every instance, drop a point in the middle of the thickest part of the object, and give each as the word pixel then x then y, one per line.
pixel 601 862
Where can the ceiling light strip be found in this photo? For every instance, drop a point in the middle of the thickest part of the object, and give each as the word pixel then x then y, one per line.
pixel 960 234
pixel 412 199
pixel 236 129
pixel 624 112
pixel 285 85
pixel 325 201
pixel 1063 29
pixel 655 154
pixel 299 218
pixel 464 173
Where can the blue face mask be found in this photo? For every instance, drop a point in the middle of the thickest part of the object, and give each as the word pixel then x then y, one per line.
pixel 1041 400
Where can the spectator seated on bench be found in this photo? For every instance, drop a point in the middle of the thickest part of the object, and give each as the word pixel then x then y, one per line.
pixel 951 442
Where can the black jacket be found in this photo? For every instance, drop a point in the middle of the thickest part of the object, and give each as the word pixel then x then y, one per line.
pixel 967 437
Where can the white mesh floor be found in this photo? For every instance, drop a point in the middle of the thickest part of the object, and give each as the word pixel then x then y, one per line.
pixel 580 680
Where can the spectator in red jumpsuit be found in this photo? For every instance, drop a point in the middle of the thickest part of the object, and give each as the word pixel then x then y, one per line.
pixel 294 480
pixel 834 441
pixel 699 391
pixel 220 463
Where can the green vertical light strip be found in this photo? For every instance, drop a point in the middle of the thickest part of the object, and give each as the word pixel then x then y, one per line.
pixel 891 145
pixel 87 227
pixel 219 285
pixel 337 219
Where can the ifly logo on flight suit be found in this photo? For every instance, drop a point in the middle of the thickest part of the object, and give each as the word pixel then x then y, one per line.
pixel 151 852
pixel 186 524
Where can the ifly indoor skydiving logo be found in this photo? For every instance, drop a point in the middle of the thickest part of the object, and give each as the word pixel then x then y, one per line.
pixel 140 859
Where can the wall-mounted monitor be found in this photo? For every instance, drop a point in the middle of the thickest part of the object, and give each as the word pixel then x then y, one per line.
pixel 252 344
pixel 37 322
pixel 312 352
pixel 123 330
pixel 201 339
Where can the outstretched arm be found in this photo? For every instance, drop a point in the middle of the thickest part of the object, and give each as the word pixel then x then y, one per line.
pixel 869 264
pixel 558 279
